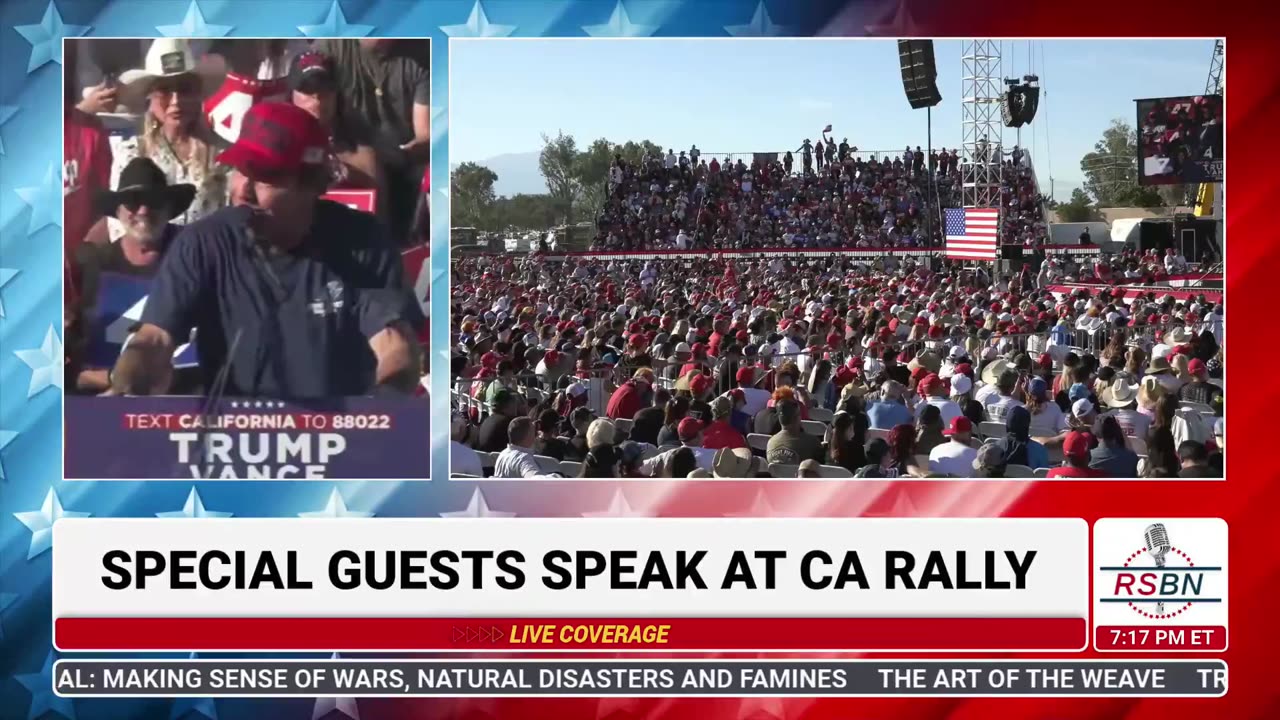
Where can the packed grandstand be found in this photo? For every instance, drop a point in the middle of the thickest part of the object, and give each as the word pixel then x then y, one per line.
pixel 784 318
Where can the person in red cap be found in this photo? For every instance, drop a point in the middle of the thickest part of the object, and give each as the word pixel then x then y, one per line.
pixel 1075 450
pixel 1200 390
pixel 955 457
pixel 290 297
pixel 720 433
pixel 631 396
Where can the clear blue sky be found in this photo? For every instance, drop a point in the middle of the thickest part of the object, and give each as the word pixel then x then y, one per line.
pixel 744 96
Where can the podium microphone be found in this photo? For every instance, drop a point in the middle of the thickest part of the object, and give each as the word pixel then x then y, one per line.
pixel 1157 539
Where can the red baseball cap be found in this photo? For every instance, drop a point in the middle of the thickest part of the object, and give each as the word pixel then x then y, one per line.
pixel 277 140
pixel 1076 443
pixel 746 375
pixel 743 336
pixel 1196 367
pixel 700 384
pixel 689 428
pixel 959 424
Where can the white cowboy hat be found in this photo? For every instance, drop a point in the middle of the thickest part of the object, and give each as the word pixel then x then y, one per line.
pixel 166 58
pixel 1120 394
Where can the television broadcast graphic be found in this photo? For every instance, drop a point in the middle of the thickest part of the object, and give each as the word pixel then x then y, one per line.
pixel 639 303
pixel 244 249
pixel 1168 592
pixel 1180 140
pixel 633 360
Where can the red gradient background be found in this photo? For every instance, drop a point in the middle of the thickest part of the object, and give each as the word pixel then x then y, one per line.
pixel 1247 500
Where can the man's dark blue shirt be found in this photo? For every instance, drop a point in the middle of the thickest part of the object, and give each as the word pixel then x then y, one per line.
pixel 299 321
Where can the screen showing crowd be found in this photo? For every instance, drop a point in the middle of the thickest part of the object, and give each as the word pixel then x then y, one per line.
pixel 1180 140
pixel 245 218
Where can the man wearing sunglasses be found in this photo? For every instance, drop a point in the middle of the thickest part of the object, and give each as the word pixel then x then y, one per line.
pixel 114 277
pixel 292 297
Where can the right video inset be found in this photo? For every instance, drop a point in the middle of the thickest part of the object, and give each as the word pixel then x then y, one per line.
pixel 836 258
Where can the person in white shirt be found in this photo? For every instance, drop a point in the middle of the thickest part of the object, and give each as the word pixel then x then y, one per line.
pixel 682 240
pixel 517 460
pixel 671 159
pixel 1174 262
pixel 955 458
pixel 1122 397
pixel 936 394
pixel 756 399
pixel 999 406
pixel 649 275
pixel 1048 423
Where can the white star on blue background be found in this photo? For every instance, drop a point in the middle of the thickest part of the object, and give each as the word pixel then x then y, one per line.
pixel 6 274
pixel 619 25
pixel 6 437
pixel 45 201
pixel 194 508
pixel 478 25
pixel 336 508
pixel 46 37
pixel 477 508
pixel 335 25
pixel 761 25
pixel 40 685
pixel 45 363
pixel 200 706
pixel 345 705
pixel 40 522
pixel 6 599
pixel 6 112
pixel 193 25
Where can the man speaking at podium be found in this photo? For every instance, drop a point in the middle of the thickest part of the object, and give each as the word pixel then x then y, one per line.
pixel 291 297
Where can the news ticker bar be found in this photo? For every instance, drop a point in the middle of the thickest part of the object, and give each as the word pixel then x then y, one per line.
pixel 661 678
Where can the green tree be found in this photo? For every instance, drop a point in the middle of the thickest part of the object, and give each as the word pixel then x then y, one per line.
pixel 1078 209
pixel 1111 170
pixel 525 212
pixel 472 196
pixel 558 163
pixel 591 169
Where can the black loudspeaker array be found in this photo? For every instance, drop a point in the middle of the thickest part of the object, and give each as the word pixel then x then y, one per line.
pixel 919 73
pixel 1019 102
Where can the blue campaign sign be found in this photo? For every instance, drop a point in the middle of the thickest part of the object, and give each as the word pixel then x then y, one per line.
pixel 118 307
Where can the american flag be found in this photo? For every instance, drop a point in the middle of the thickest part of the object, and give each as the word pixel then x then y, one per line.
pixel 972 233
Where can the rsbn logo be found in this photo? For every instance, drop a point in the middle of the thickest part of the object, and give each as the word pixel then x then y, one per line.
pixel 1159 580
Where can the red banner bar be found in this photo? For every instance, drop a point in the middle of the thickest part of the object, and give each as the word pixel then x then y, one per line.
pixel 567 634
pixel 1203 638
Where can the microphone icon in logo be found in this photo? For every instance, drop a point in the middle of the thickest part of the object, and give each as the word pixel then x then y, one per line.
pixel 1157 539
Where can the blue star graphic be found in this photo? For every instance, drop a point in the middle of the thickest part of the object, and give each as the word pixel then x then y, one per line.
pixel 336 508
pixel 193 25
pixel 194 508
pixel 325 705
pixel 6 112
pixel 200 706
pixel 619 25
pixel 761 25
pixel 40 685
pixel 46 37
pixel 45 363
pixel 6 274
pixel 335 25
pixel 6 437
pixel 45 201
pixel 40 522
pixel 6 599
pixel 477 25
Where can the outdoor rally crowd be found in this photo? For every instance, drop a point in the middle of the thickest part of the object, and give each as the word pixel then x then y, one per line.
pixel 179 154
pixel 831 367
pixel 849 199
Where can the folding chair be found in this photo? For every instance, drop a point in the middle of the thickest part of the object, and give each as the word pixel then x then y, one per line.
pixel 783 470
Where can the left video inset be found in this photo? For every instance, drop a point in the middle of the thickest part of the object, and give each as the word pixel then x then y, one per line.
pixel 245 258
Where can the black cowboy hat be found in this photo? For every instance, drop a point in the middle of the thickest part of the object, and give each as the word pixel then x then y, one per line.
pixel 143 183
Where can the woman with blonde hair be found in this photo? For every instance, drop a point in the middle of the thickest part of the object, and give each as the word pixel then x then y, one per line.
pixel 1182 369
pixel 1135 363
pixel 173 133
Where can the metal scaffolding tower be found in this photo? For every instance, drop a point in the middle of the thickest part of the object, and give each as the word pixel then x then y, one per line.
pixel 1213 85
pixel 982 123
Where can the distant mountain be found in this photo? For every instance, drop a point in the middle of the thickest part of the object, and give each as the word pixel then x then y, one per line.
pixel 517 173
